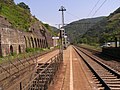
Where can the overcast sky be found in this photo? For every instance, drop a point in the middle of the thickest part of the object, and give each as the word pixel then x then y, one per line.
pixel 47 10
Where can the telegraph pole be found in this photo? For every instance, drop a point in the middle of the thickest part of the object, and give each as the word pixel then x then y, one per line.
pixel 62 9
pixel 62 31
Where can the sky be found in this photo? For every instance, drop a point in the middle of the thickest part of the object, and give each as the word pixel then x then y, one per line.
pixel 47 10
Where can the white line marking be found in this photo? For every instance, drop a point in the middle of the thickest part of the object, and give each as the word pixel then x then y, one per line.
pixel 71 70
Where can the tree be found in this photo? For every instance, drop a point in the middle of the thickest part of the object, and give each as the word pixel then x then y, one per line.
pixel 0 8
pixel 23 5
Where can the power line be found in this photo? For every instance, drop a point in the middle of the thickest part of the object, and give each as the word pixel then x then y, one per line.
pixel 93 7
pixel 99 8
pixel 72 15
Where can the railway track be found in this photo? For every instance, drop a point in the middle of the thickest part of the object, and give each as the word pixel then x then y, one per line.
pixel 105 77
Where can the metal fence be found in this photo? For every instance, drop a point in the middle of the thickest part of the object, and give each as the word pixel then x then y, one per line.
pixel 44 74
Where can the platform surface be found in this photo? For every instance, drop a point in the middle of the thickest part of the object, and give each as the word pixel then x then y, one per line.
pixel 72 75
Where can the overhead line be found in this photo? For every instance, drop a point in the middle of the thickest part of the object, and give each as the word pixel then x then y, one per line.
pixel 99 8
pixel 93 7
pixel 72 15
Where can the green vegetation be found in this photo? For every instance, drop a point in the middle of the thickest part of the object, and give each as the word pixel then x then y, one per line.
pixel 77 29
pixel 34 50
pixel 20 18
pixel 23 5
pixel 97 48
pixel 51 29
pixel 95 31
pixel 18 15
pixel 29 52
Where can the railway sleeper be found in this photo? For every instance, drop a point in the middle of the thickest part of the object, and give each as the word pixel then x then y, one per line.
pixel 114 85
pixel 113 82
pixel 107 77
pixel 99 85
pixel 101 88
pixel 113 88
pixel 97 82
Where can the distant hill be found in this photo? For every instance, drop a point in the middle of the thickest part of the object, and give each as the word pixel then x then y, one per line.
pixel 100 30
pixel 53 30
pixel 104 30
pixel 79 28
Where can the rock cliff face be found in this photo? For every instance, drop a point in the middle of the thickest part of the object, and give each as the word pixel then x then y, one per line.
pixel 16 41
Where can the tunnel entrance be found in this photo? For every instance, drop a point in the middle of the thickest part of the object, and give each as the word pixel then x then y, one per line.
pixel 11 49
pixel 19 48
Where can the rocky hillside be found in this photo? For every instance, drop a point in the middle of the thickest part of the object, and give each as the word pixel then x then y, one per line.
pixel 19 15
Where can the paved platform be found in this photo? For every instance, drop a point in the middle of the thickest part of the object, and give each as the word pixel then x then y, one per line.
pixel 46 57
pixel 72 74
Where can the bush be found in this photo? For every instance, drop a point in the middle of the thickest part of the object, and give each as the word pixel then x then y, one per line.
pixel 33 50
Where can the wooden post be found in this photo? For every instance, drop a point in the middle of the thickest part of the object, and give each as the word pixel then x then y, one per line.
pixel 119 41
pixel 0 46
pixel 20 86
pixel 115 41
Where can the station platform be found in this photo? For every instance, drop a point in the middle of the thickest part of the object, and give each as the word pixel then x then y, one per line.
pixel 72 75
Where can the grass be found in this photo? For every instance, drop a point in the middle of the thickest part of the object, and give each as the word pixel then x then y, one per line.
pixel 17 16
pixel 97 47
pixel 30 52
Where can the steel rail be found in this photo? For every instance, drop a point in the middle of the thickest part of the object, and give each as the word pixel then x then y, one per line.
pixel 104 83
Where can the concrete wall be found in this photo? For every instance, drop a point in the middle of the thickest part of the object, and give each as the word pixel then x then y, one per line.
pixel 12 41
pixel 16 41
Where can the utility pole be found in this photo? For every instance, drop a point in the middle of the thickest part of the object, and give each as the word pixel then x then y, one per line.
pixel 62 9
pixel 62 30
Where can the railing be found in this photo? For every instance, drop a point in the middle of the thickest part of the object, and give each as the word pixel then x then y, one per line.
pixel 34 76
pixel 10 72
pixel 44 74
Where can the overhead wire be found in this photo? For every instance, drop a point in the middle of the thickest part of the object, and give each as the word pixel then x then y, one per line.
pixel 91 10
pixel 99 8
pixel 93 7
pixel 72 15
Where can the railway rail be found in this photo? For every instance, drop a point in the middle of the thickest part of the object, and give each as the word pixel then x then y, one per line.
pixel 105 77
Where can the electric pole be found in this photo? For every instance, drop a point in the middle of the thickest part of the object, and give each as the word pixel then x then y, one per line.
pixel 62 9
pixel 62 30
